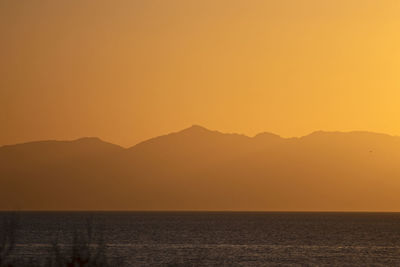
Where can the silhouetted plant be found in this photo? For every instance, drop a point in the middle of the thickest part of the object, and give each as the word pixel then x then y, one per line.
pixel 86 250
pixel 8 229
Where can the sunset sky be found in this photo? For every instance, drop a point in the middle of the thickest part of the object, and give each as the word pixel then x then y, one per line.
pixel 129 70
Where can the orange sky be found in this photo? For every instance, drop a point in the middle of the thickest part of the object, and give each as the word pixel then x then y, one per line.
pixel 129 70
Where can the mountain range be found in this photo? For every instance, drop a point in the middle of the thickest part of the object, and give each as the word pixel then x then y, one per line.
pixel 199 169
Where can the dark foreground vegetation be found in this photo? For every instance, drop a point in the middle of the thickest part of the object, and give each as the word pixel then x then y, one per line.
pixel 87 248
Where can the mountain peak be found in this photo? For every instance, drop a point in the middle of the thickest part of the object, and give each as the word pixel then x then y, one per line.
pixel 195 129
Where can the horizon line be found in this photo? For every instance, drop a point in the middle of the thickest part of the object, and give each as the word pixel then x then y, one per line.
pixel 206 211
pixel 201 127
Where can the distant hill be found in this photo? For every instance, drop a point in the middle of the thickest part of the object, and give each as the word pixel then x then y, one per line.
pixel 199 169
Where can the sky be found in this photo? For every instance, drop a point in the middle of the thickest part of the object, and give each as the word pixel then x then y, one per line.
pixel 129 70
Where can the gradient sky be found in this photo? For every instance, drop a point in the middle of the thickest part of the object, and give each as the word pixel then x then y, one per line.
pixel 129 70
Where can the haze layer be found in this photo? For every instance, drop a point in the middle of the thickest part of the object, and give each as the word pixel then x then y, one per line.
pixel 128 70
pixel 198 169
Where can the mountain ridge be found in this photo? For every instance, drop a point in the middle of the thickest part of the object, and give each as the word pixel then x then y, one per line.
pixel 199 128
pixel 199 169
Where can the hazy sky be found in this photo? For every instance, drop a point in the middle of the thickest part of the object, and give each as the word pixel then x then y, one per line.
pixel 129 70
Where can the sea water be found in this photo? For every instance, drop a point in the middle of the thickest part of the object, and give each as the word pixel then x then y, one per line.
pixel 219 238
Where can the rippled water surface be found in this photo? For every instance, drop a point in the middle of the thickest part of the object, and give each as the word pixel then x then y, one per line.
pixel 222 238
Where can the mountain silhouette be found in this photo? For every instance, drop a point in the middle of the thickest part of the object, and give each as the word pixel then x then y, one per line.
pixel 199 169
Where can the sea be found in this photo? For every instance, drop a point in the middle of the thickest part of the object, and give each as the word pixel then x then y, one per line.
pixel 214 238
